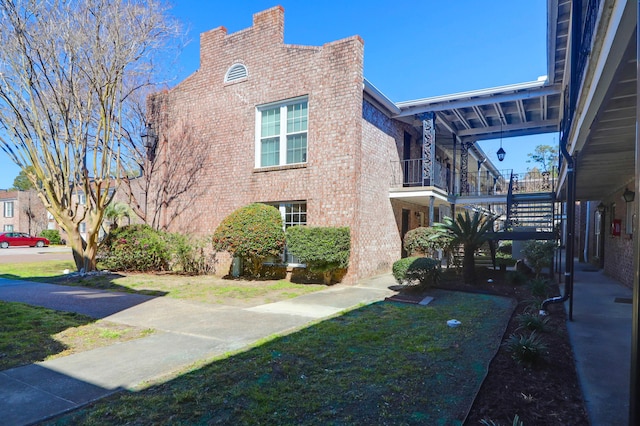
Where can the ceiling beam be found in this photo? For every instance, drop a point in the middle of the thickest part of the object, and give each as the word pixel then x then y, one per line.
pixel 481 116
pixel 463 120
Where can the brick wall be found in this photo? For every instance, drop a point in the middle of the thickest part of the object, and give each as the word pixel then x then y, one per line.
pixel 618 250
pixel 206 158
pixel 24 202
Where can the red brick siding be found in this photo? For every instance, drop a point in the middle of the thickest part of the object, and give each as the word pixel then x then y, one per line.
pixel 207 130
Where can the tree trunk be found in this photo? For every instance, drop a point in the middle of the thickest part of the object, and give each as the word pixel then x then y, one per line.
pixel 469 265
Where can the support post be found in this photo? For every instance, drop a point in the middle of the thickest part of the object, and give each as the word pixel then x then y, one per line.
pixel 464 167
pixel 428 148
pixel 634 405
pixel 454 180
pixel 432 200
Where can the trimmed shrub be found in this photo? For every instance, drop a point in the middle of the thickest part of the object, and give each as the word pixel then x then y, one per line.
pixel 539 254
pixel 425 241
pixel 138 248
pixel 505 247
pixel 253 233
pixel 422 271
pixel 53 235
pixel 323 249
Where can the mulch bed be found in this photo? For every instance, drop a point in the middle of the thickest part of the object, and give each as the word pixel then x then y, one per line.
pixel 547 393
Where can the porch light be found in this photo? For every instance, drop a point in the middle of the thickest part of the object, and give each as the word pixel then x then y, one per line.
pixel 601 207
pixel 148 137
pixel 628 195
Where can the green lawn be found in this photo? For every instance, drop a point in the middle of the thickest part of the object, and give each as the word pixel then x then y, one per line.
pixel 207 289
pixel 387 363
pixel 29 334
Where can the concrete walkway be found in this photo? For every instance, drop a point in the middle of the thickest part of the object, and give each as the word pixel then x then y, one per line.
pixel 600 335
pixel 186 332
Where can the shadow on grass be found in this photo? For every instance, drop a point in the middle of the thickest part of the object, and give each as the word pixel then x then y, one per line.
pixel 26 332
pixel 389 362
pixel 100 281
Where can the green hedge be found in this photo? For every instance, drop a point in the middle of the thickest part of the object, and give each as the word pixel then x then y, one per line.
pixel 53 235
pixel 323 249
pixel 253 233
pixel 137 248
pixel 423 271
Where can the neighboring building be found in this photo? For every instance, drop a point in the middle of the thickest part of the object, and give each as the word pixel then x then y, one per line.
pixel 300 128
pixel 22 211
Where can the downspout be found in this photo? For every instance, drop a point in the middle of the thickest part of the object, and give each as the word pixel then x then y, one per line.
pixel 585 252
pixel 570 230
pixel 574 87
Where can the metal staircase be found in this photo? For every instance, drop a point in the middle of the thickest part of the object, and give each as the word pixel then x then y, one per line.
pixel 530 215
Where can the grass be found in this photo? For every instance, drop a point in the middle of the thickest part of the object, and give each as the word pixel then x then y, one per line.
pixel 207 289
pixel 30 334
pixel 386 363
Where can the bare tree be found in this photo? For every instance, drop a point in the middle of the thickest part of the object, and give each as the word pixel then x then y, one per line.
pixel 68 69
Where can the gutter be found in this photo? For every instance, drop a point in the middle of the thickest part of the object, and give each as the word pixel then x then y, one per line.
pixel 380 97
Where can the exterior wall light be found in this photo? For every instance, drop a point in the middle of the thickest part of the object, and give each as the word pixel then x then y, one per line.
pixel 501 153
pixel 628 195
pixel 601 207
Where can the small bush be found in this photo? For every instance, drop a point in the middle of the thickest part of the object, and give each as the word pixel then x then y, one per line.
pixel 135 248
pixel 539 287
pixel 253 233
pixel 423 271
pixel 526 349
pixel 533 322
pixel 515 277
pixel 322 249
pixel 53 235
pixel 505 247
pixel 425 241
pixel 191 256
pixel 539 254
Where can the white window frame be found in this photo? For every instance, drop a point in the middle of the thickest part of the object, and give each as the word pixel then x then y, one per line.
pixel 283 134
pixel 8 228
pixel 82 228
pixel 287 258
pixel 8 209
pixel 82 198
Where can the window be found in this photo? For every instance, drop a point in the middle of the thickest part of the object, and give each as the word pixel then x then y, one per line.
pixel 281 133
pixel 82 198
pixel 294 213
pixel 8 228
pixel 8 209
pixel 236 72
pixel 83 227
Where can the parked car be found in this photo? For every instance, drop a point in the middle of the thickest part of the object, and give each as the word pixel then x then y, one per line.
pixel 21 239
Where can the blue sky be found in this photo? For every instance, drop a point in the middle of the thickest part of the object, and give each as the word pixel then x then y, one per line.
pixel 413 49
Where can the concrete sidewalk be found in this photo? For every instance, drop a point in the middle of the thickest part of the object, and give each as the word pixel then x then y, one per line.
pixel 186 332
pixel 600 335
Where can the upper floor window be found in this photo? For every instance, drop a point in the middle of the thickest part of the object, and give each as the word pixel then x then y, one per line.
pixel 82 198
pixel 8 209
pixel 236 72
pixel 281 133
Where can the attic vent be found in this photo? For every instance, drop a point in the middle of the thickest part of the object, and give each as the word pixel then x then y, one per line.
pixel 236 72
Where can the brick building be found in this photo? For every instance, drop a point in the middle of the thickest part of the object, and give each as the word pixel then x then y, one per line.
pixel 300 128
pixel 22 211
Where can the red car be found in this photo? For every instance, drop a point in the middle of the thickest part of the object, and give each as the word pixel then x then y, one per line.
pixel 21 239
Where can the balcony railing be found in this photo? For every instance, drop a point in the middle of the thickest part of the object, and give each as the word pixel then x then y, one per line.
pixel 409 173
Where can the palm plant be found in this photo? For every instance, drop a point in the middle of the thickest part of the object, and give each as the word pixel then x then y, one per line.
pixel 115 212
pixel 470 232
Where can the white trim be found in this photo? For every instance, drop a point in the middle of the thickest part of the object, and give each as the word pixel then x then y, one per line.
pixel 283 105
